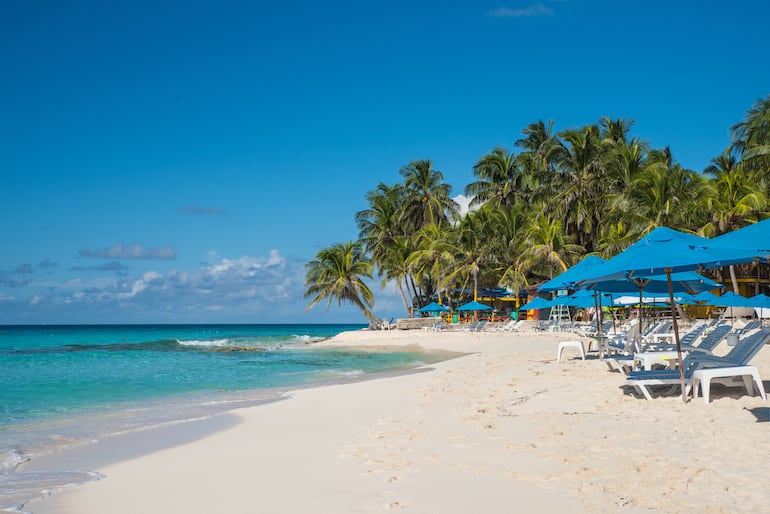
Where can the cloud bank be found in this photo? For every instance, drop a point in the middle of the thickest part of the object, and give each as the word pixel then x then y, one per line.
pixel 134 251
pixel 533 10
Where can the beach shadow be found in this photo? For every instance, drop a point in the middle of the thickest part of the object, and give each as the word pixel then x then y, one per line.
pixel 761 413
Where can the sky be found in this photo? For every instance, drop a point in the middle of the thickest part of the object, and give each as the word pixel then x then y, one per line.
pixel 179 162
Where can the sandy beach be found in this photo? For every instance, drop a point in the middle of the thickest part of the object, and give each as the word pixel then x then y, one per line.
pixel 501 429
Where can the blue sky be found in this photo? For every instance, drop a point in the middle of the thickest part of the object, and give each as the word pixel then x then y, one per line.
pixel 181 161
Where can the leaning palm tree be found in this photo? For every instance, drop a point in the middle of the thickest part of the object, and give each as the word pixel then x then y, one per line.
pixel 338 273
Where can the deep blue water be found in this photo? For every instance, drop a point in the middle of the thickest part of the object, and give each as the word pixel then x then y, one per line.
pixel 67 385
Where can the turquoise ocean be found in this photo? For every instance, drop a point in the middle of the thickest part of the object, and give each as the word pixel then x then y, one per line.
pixel 68 385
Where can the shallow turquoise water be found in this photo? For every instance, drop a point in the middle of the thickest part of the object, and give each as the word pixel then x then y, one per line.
pixel 65 385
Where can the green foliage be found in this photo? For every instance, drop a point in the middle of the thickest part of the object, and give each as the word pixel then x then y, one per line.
pixel 593 189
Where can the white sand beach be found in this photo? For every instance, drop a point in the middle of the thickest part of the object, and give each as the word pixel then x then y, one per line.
pixel 502 429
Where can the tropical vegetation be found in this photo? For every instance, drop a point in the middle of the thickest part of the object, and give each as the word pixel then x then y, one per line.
pixel 537 209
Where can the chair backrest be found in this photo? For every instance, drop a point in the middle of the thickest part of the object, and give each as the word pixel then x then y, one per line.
pixel 481 325
pixel 664 327
pixel 748 327
pixel 713 338
pixel 747 347
pixel 693 334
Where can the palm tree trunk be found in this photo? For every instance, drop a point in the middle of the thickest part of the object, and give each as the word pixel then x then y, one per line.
pixel 734 279
pixel 410 282
pixel 403 298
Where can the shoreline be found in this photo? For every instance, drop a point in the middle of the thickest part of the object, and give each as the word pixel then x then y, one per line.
pixel 71 465
pixel 503 422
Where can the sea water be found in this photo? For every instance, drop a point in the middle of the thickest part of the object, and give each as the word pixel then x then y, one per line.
pixel 62 386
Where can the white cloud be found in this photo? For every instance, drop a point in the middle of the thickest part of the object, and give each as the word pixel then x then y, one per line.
pixel 532 10
pixel 134 251
pixel 259 289
pixel 464 202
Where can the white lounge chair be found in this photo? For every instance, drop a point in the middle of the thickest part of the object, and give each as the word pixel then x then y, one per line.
pixel 734 364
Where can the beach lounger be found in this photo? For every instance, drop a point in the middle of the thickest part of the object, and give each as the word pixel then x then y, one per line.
pixel 656 353
pixel 438 326
pixel 734 364
pixel 507 327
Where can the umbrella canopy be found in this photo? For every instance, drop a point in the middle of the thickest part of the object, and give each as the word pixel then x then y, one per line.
pixel 665 250
pixel 434 307
pixel 474 306
pixel 756 235
pixel 729 299
pixel 683 282
pixel 705 298
pixel 582 299
pixel 581 270
pixel 536 303
pixel 760 301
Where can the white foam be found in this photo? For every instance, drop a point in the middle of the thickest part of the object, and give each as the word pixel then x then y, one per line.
pixel 11 460
pixel 211 342
pixel 308 339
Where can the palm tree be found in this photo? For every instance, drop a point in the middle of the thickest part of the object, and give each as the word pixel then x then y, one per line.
pixel 500 180
pixel 580 184
pixel 614 132
pixel 426 197
pixel 395 268
pixel 663 193
pixel 472 248
pixel 379 224
pixel 751 137
pixel 548 246
pixel 540 143
pixel 506 233
pixel 732 195
pixel 434 254
pixel 338 273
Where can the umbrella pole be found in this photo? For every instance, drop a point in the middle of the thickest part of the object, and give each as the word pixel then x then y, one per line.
pixel 676 334
pixel 596 310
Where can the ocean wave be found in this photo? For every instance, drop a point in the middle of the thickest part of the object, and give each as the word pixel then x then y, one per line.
pixel 11 460
pixel 217 343
pixel 307 338
pixel 351 373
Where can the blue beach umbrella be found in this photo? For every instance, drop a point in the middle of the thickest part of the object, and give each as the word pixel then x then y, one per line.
pixel 567 280
pixel 434 307
pixel 729 299
pixel 683 282
pixel 667 251
pixel 664 251
pixel 760 301
pixel 705 298
pixel 537 303
pixel 756 236
pixel 761 304
pixel 474 306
